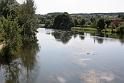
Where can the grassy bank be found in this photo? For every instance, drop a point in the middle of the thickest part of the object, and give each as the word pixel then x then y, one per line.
pixel 93 30
pixel 80 29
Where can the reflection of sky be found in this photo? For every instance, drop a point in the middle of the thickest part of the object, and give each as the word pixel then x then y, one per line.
pixel 78 61
pixel 74 61
pixel 93 76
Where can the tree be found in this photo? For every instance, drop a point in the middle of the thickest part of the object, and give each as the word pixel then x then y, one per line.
pixel 92 20
pixel 116 23
pixel 101 24
pixel 82 23
pixel 18 21
pixel 121 16
pixel 27 19
pixel 63 21
pixel 108 22
pixel 7 8
pixel 75 22
pixel 48 24
pixel 11 33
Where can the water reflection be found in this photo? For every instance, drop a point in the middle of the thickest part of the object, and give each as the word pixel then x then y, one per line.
pixel 15 68
pixel 100 37
pixel 64 36
pixel 93 76
pixel 66 57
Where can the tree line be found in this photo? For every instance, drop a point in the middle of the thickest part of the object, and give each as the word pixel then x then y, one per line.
pixel 97 21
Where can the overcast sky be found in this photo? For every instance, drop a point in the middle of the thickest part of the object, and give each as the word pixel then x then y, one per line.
pixel 79 6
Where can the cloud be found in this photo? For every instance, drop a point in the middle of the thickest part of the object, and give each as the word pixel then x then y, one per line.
pixel 61 79
pixel 93 76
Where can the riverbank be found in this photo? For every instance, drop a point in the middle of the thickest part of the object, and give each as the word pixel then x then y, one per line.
pixel 80 29
pixel 94 30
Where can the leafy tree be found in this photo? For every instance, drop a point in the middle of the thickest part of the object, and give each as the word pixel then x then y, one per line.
pixel 18 21
pixel 92 20
pixel 12 37
pixel 121 29
pixel 121 16
pixel 82 23
pixel 27 19
pixel 48 24
pixel 108 22
pixel 101 24
pixel 63 21
pixel 7 8
pixel 116 23
pixel 75 22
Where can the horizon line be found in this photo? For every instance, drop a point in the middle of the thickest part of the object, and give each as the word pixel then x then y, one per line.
pixel 82 13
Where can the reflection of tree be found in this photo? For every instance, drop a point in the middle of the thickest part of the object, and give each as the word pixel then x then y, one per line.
pixel 99 40
pixel 28 53
pixel 12 73
pixel 26 56
pixel 81 37
pixel 65 36
pixel 11 69
pixel 121 38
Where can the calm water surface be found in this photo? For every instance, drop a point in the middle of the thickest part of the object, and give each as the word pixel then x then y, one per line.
pixel 67 57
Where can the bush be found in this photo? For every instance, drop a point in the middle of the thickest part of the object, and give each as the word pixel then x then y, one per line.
pixel 121 29
pixel 11 33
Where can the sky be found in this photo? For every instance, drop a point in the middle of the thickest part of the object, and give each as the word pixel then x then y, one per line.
pixel 78 6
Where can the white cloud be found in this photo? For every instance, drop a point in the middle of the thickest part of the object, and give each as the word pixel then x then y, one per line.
pixel 61 79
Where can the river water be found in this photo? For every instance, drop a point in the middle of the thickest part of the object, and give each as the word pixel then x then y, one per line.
pixel 67 57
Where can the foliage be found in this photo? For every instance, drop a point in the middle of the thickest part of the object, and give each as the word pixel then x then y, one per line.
pixel 101 24
pixel 75 22
pixel 82 23
pixel 11 33
pixel 121 29
pixel 93 25
pixel 116 23
pixel 7 8
pixel 17 23
pixel 121 16
pixel 63 21
pixel 108 22
pixel 48 24
pixel 92 20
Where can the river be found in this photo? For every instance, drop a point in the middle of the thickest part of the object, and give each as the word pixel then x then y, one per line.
pixel 67 57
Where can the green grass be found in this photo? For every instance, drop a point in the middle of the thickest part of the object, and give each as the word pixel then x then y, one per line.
pixel 87 29
pixel 93 30
pixel 110 30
